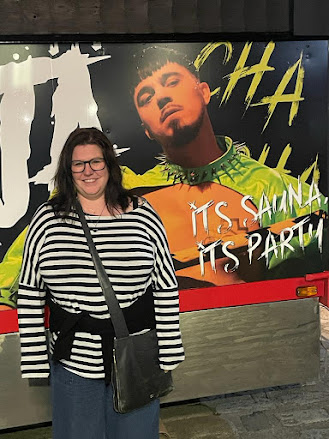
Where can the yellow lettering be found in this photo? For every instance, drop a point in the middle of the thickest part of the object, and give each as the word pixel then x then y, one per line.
pixel 280 167
pixel 313 169
pixel 241 71
pixel 283 160
pixel 263 156
pixel 278 96
pixel 316 172
pixel 207 50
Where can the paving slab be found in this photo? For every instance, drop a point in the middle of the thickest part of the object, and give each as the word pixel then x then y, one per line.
pixel 258 421
pixel 182 411
pixel 208 426
pixel 31 433
pixel 190 421
pixel 318 433
pixel 301 417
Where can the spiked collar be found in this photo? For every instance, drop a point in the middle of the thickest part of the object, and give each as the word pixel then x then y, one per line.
pixel 212 171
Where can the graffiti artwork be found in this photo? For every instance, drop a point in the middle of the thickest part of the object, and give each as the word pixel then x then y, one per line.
pixel 226 140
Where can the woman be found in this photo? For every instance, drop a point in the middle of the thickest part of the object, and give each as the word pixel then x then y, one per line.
pixel 57 265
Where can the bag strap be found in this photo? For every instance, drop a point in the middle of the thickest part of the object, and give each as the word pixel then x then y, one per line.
pixel 135 202
pixel 117 317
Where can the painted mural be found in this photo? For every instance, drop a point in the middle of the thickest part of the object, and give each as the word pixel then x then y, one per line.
pixel 226 140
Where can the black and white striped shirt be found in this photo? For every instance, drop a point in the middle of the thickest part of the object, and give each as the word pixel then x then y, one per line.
pixel 134 251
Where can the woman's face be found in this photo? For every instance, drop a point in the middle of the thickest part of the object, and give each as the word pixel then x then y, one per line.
pixel 90 184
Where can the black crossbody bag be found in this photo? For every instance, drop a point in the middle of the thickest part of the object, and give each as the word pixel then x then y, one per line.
pixel 136 375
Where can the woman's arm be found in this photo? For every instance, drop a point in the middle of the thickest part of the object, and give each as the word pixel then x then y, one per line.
pixel 31 303
pixel 166 299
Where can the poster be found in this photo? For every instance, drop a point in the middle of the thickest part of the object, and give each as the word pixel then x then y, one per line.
pixel 226 140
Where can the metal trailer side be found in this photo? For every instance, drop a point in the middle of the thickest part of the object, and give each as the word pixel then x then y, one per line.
pixel 227 350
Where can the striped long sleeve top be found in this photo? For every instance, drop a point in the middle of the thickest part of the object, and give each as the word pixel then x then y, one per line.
pixel 57 261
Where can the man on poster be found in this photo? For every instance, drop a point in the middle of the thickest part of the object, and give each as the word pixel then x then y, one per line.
pixel 206 174
pixel 210 196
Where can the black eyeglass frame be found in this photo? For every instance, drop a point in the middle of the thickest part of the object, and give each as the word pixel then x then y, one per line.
pixel 90 164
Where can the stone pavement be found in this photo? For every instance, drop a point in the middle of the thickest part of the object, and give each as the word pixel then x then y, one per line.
pixel 289 412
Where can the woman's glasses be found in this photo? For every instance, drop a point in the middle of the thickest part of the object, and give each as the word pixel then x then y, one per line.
pixel 97 164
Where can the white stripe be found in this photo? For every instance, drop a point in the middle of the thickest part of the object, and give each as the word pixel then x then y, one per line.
pixel 77 289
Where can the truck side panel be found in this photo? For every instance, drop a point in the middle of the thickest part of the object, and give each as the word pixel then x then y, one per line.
pixel 227 350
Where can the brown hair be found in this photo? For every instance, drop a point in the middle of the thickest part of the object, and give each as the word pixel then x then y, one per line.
pixel 65 196
pixel 151 59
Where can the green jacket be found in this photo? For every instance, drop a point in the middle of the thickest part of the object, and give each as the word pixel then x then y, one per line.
pixel 247 176
pixel 233 169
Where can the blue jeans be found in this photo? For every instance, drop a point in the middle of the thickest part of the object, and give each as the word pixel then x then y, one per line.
pixel 83 409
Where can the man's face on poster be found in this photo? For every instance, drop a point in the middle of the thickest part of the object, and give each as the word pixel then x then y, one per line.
pixel 171 104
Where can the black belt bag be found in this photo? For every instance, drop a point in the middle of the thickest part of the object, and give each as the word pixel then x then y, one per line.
pixel 137 378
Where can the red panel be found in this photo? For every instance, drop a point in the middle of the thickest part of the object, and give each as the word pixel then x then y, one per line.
pixel 219 297
pixel 325 278
pixel 9 323
pixel 245 294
